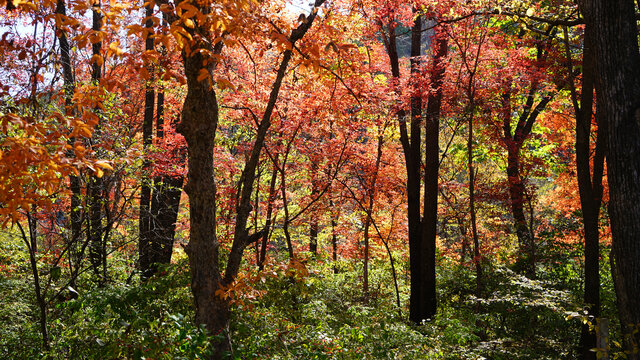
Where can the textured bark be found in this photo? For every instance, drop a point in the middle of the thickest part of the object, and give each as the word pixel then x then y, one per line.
pixel 74 181
pixel 144 223
pixel 198 126
pixel 165 204
pixel 95 186
pixel 618 73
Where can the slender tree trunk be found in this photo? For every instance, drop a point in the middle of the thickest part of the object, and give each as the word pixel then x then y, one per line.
pixel 432 162
pixel 472 203
pixel 96 184
pixel 40 297
pixel 514 141
pixel 419 302
pixel 334 241
pixel 313 223
pixel 590 189
pixel 74 181
pixel 144 225
pixel 267 226
pixel 615 40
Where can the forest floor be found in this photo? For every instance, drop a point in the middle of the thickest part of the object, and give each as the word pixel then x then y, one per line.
pixel 301 312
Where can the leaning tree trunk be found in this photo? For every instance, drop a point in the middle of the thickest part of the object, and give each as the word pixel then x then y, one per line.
pixel 617 56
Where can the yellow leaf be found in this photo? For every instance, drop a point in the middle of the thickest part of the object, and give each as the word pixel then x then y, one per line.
pixel 204 74
pixel 104 164
pixel 97 59
pixel 189 23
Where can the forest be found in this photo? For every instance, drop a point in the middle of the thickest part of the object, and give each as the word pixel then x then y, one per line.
pixel 333 179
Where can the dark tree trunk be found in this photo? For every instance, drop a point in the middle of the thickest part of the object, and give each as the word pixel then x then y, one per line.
pixel 144 224
pixel 517 197
pixel 432 162
pixel 74 181
pixel 422 301
pixel 590 188
pixel 96 184
pixel 615 40
pixel 198 126
pixel 419 300
pixel 267 226
pixel 40 296
pixel 164 210
pixel 313 225
pixel 334 242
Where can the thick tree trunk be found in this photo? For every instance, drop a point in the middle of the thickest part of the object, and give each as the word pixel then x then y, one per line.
pixel 618 73
pixel 198 126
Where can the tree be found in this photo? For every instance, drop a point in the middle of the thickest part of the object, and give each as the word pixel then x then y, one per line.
pixel 617 58
pixel 200 116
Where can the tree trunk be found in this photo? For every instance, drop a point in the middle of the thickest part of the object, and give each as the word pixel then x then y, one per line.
pixel 472 201
pixel 590 189
pixel 419 300
pixel 313 226
pixel 144 224
pixel 516 194
pixel 432 162
pixel 96 184
pixel 618 70
pixel 165 204
pixel 74 181
pixel 267 226
pixel 40 296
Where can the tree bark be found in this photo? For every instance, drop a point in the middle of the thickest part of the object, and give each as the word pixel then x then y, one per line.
pixel 589 184
pixel 432 162
pixel 74 181
pixel 96 184
pixel 198 126
pixel 144 224
pixel 615 40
